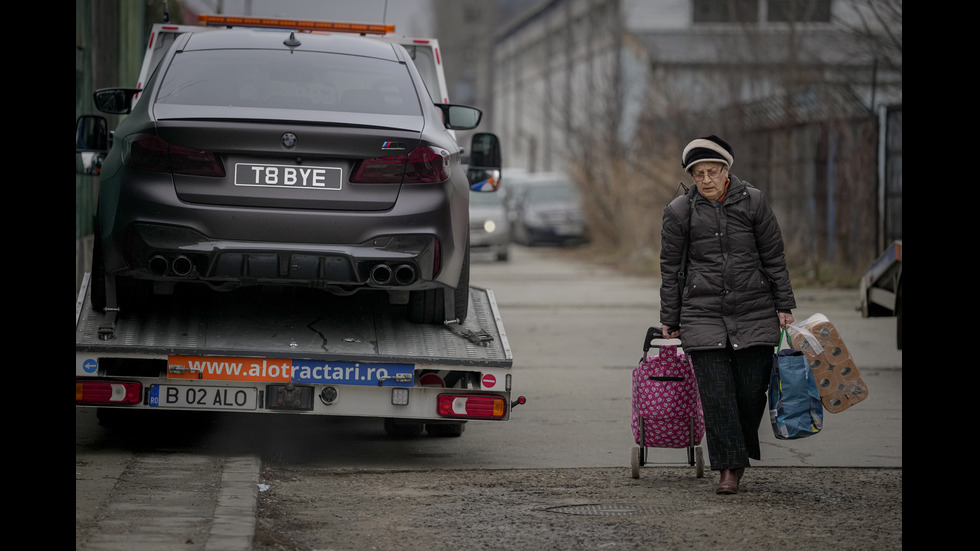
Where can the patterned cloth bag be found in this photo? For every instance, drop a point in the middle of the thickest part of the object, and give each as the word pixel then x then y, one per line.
pixel 666 405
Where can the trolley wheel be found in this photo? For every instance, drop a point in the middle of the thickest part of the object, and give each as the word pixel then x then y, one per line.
pixel 699 462
pixel 635 463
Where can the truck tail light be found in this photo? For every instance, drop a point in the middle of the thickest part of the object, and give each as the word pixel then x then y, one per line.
pixel 472 406
pixel 149 152
pixel 421 166
pixel 108 392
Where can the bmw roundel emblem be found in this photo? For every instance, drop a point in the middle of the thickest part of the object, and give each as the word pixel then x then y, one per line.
pixel 289 140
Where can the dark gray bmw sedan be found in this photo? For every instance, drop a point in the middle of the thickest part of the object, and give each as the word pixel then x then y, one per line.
pixel 285 159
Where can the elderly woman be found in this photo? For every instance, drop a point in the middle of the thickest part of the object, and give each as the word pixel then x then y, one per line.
pixel 725 294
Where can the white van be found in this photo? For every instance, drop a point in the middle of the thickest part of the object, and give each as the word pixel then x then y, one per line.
pixel 424 51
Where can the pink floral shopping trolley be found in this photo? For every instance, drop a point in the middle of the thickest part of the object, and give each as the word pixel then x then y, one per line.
pixel 666 405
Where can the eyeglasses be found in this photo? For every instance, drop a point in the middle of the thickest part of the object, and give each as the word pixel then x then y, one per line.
pixel 710 173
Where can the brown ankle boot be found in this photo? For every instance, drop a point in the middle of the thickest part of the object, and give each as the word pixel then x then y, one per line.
pixel 728 483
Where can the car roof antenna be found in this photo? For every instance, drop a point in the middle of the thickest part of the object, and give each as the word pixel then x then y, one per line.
pixel 292 42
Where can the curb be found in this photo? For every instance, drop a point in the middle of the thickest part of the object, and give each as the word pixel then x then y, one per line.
pixel 233 528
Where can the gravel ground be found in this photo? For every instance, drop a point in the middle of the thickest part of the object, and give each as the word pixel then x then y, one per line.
pixel 563 509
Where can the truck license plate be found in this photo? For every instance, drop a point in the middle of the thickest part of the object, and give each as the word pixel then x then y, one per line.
pixel 203 397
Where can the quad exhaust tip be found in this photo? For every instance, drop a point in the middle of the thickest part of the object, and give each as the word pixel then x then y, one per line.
pixel 180 266
pixel 405 274
pixel 383 274
pixel 158 265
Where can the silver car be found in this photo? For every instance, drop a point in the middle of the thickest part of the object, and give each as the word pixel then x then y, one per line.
pixel 258 158
pixel 489 227
pixel 550 211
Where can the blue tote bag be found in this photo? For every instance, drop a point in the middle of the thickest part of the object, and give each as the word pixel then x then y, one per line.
pixel 794 401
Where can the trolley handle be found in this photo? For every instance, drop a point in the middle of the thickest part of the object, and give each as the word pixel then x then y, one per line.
pixel 652 334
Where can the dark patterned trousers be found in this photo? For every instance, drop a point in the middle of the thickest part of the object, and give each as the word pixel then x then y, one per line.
pixel 733 388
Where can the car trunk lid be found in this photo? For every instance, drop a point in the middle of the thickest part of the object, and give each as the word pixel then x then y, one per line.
pixel 291 163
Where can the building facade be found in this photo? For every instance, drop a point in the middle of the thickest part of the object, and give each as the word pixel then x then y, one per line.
pixel 610 90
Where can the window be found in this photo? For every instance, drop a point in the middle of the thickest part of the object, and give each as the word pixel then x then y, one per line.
pixel 286 80
pixel 726 11
pixel 748 11
pixel 799 11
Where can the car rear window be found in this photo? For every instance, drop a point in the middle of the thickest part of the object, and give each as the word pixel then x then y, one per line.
pixel 289 80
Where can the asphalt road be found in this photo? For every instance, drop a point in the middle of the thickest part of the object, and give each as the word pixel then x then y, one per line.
pixel 576 330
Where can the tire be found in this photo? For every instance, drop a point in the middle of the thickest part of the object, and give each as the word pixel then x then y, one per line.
pixel 635 463
pixel 445 430
pixel 699 462
pixel 427 306
pixel 115 418
pixel 130 293
pixel 461 294
pixel 97 280
pixel 397 429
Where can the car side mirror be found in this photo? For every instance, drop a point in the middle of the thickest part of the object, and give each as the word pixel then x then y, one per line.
pixel 118 101
pixel 460 117
pixel 91 144
pixel 484 169
pixel 91 133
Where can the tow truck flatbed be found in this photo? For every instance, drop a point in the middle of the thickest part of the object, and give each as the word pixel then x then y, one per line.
pixel 319 353
pixel 312 324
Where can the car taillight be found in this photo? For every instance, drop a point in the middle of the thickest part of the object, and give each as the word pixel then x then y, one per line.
pixel 423 165
pixel 472 406
pixel 108 392
pixel 149 152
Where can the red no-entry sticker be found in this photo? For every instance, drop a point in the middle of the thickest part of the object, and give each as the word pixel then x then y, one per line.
pixel 489 380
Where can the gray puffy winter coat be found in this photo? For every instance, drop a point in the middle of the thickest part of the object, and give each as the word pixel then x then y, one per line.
pixel 736 280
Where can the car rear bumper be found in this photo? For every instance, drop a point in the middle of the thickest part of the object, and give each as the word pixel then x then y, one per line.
pixel 415 245
pixel 170 253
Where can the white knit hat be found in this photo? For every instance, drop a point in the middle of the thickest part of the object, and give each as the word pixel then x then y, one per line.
pixel 707 149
